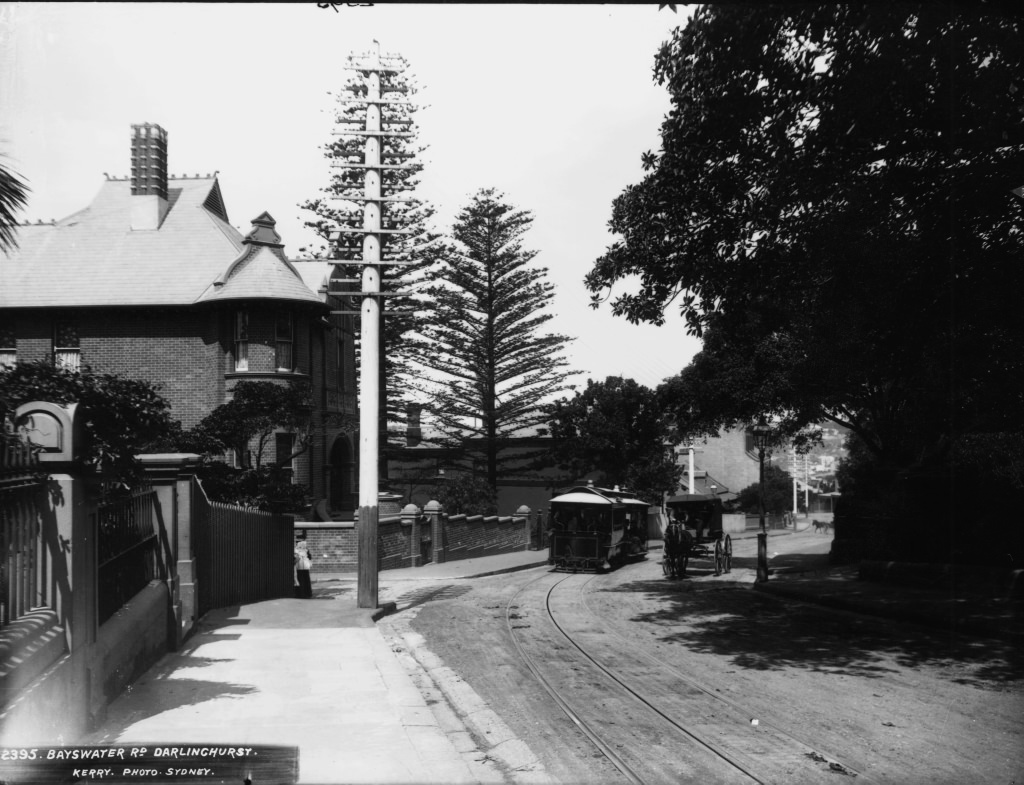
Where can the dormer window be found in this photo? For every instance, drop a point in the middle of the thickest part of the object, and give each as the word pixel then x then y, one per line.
pixel 241 340
pixel 283 336
pixel 67 352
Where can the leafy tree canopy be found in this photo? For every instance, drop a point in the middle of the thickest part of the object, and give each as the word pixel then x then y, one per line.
pixel 833 210
pixel 778 492
pixel 120 416
pixel 617 428
pixel 256 411
pixel 467 494
pixel 247 424
pixel 13 197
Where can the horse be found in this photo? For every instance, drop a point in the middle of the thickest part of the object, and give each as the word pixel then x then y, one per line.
pixel 677 550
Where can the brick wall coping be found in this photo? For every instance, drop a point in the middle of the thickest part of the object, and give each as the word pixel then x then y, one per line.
pixel 343 524
pixel 325 524
pixel 168 458
pixel 487 518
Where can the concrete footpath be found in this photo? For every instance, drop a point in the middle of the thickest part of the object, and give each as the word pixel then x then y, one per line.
pixel 319 676
pixel 316 675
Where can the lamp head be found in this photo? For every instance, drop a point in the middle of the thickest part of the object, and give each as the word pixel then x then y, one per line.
pixel 762 434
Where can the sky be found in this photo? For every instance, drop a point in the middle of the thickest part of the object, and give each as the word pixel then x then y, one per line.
pixel 552 105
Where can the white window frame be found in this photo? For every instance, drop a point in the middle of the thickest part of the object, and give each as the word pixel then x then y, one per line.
pixel 67 356
pixel 291 440
pixel 284 347
pixel 8 347
pixel 241 340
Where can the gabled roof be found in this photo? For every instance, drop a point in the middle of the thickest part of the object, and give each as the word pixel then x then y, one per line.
pixel 94 258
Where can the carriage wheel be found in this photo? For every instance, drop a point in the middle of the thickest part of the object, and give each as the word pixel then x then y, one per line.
pixel 728 553
pixel 719 557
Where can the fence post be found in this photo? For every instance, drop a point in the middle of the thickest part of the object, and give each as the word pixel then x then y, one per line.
pixel 68 538
pixel 524 511
pixel 433 511
pixel 411 518
pixel 171 475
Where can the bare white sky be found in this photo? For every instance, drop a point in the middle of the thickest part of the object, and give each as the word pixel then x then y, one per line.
pixel 550 104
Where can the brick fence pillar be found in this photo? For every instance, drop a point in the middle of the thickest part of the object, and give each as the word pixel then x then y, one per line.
pixel 172 477
pixel 433 511
pixel 524 513
pixel 411 518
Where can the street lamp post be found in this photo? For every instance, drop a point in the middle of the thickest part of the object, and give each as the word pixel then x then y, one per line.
pixel 762 436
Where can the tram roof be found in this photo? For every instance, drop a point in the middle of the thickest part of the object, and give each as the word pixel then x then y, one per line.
pixel 691 497
pixel 591 495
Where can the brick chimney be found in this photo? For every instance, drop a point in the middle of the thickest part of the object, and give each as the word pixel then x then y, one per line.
pixel 413 432
pixel 149 176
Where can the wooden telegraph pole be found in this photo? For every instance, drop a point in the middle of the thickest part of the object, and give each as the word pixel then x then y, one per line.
pixel 374 125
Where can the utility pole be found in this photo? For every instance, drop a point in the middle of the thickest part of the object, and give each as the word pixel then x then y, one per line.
pixel 807 483
pixel 374 125
pixel 796 506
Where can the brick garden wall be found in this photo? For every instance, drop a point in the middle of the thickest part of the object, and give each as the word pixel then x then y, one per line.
pixel 468 537
pixel 334 545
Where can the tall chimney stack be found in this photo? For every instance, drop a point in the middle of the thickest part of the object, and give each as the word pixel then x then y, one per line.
pixel 413 432
pixel 149 176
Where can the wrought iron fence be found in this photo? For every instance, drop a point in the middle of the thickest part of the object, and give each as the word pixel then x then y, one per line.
pixel 127 550
pixel 20 587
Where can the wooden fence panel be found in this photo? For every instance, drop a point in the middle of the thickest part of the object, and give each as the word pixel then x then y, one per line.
pixel 243 555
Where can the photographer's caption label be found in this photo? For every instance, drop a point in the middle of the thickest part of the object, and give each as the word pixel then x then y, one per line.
pixel 141 763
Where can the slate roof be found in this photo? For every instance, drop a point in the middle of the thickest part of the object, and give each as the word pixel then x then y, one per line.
pixel 315 274
pixel 94 258
pixel 261 271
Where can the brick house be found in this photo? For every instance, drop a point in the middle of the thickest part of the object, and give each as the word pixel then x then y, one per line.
pixel 727 461
pixel 151 281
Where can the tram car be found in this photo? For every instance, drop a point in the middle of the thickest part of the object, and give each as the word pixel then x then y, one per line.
pixel 695 532
pixel 595 528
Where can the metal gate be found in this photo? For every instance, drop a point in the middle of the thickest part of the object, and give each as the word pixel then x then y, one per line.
pixel 21 586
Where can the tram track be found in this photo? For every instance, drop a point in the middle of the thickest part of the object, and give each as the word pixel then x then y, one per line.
pixel 579 660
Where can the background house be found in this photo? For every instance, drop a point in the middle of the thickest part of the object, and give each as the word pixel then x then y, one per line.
pixel 729 462
pixel 151 281
pixel 417 468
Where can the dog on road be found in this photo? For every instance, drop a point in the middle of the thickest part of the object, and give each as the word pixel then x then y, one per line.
pixel 822 526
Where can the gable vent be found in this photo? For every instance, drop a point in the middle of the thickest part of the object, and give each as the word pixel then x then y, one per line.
pixel 215 204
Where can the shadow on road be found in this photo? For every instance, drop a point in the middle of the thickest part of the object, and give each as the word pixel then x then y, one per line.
pixel 762 631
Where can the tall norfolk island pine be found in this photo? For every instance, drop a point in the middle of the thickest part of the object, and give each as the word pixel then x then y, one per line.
pixel 491 366
pixel 341 207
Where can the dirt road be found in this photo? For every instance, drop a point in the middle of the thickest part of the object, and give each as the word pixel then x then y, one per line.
pixel 900 704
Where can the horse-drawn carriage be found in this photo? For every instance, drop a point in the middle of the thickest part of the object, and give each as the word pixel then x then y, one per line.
pixel 593 528
pixel 695 531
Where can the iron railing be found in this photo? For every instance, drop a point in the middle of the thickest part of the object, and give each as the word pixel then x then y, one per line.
pixel 127 550
pixel 20 481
